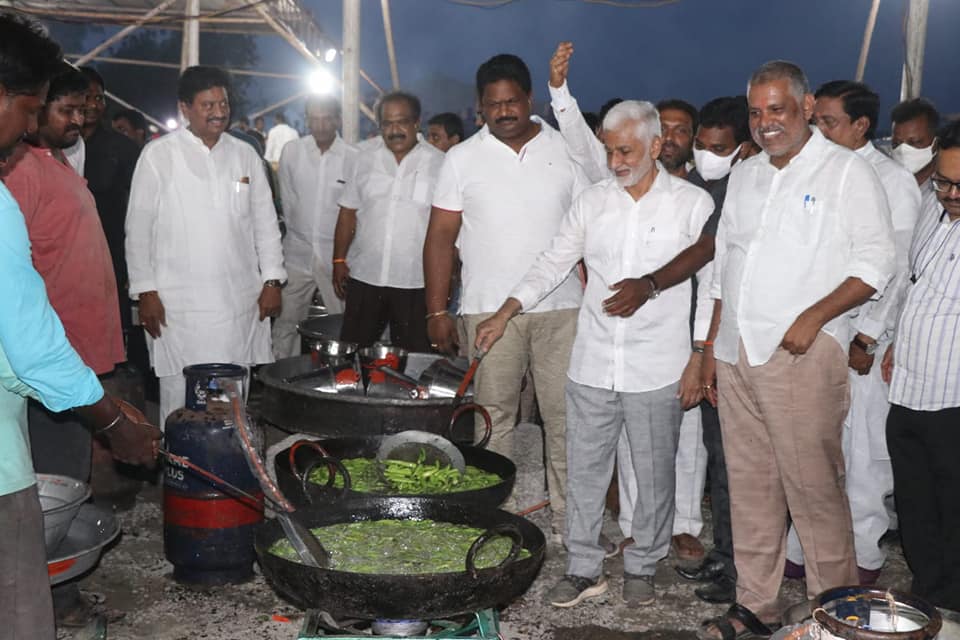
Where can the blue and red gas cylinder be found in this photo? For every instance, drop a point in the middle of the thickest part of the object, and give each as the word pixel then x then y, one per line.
pixel 207 533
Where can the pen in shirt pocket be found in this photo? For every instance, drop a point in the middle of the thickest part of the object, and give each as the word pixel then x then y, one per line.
pixel 809 202
pixel 243 180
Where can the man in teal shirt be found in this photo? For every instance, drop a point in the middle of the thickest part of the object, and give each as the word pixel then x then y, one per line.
pixel 36 360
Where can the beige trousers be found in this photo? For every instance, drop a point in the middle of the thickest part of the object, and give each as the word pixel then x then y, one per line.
pixel 781 423
pixel 542 342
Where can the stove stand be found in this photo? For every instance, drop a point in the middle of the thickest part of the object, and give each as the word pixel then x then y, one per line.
pixel 484 625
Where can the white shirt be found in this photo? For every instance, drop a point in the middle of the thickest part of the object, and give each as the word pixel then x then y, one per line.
pixel 877 317
pixel 511 205
pixel 789 237
pixel 202 232
pixel 311 183
pixel 76 155
pixel 277 138
pixel 620 238
pixel 583 143
pixel 393 211
pixel 926 370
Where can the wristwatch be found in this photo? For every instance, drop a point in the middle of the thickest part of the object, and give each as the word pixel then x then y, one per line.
pixel 654 287
pixel 868 349
pixel 278 284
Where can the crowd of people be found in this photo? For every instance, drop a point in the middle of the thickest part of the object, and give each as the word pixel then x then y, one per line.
pixel 751 291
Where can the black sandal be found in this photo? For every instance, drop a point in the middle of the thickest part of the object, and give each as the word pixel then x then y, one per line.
pixel 752 627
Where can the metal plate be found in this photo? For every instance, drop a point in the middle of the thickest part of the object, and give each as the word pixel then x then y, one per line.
pixel 92 530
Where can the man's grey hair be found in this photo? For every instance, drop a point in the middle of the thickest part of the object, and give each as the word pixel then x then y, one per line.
pixel 643 114
pixel 781 70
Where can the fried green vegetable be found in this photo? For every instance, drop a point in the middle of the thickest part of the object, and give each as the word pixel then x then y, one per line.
pixel 402 547
pixel 408 478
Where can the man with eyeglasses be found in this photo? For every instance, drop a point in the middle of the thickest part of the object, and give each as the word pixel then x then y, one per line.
pixel 923 368
pixel 378 241
pixel 500 199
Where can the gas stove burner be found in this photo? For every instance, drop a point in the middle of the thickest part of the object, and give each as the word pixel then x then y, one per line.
pixel 398 628
pixel 482 625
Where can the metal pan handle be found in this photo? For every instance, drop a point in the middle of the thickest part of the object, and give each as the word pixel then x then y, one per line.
pixel 292 455
pixel 505 529
pixel 334 466
pixel 487 423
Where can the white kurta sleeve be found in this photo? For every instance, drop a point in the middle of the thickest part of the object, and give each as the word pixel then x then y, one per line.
pixel 865 217
pixel 878 317
pixel 266 229
pixel 553 265
pixel 582 143
pixel 703 312
pixel 288 190
pixel 140 225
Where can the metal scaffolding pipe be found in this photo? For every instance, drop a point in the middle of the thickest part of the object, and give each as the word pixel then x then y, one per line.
pixel 277 105
pixel 123 33
pixel 351 70
pixel 171 65
pixel 391 52
pixel 190 37
pixel 915 38
pixel 867 37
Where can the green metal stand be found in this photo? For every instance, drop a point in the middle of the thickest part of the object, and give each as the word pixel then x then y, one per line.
pixel 485 625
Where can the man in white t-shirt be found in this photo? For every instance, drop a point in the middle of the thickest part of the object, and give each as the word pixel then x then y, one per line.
pixel 500 199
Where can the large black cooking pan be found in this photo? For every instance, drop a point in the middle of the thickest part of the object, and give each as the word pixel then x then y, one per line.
pixel 426 596
pixel 306 456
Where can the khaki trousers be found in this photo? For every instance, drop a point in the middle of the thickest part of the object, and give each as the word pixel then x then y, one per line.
pixel 542 342
pixel 781 424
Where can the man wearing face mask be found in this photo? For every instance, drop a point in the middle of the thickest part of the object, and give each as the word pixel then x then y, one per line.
pixel 625 370
pixel 70 252
pixel 312 177
pixel 203 244
pixel 914 139
pixel 846 113
pixel 378 242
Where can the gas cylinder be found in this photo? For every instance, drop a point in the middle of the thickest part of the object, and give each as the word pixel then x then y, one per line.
pixel 207 532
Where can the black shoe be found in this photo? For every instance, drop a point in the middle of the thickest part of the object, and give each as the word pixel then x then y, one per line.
pixel 722 590
pixel 706 571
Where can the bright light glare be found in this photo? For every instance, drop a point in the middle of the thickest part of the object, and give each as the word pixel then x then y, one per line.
pixel 321 81
pixel 330 54
pixel 172 123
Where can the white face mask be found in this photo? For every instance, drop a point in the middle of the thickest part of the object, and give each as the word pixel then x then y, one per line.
pixel 710 166
pixel 912 158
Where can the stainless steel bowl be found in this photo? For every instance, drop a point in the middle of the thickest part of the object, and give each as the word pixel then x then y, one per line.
pixel 60 498
pixel 91 530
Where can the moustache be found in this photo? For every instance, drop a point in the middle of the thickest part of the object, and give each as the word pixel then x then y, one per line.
pixel 397 136
pixel 216 120
pixel 73 127
pixel 770 129
pixel 506 119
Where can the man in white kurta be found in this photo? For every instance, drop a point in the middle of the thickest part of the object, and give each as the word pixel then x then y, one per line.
pixel 312 177
pixel 203 244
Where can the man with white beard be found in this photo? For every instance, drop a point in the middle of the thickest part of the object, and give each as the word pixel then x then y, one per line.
pixel 623 228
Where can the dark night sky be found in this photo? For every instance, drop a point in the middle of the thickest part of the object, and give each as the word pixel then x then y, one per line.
pixel 692 49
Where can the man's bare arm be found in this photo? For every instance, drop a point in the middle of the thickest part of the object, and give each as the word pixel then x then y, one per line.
pixel 438 260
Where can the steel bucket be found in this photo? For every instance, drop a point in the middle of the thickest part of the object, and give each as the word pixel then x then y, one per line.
pixel 60 498
pixel 442 378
